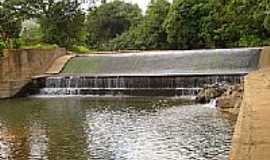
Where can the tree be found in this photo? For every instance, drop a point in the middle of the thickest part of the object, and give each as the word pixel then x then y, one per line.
pixel 153 35
pixel 63 24
pixel 10 23
pixel 184 23
pixel 109 21
pixel 62 21
pixel 239 23
pixel 31 32
pixel 150 34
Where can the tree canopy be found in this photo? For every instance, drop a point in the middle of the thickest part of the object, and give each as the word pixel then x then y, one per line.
pixel 150 33
pixel 10 23
pixel 182 24
pixel 63 23
pixel 109 21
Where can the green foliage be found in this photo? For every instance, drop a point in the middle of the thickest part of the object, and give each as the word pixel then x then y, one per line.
pixel 150 34
pixel 2 47
pixel 185 23
pixel 241 20
pixel 80 49
pixel 40 46
pixel 267 23
pixel 63 24
pixel 109 21
pixel 251 41
pixel 31 32
pixel 10 23
pixel 216 23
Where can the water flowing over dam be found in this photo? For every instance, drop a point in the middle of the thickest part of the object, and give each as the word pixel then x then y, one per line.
pixel 133 86
pixel 170 73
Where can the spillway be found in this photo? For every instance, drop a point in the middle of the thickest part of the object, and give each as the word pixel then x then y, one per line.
pixel 170 73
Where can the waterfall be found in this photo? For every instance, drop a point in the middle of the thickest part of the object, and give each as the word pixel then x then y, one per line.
pixel 188 85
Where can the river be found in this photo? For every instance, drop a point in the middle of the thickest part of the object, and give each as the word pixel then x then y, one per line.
pixel 112 129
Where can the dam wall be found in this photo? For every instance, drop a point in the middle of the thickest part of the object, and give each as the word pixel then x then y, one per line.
pixel 155 73
pixel 169 85
pixel 18 66
pixel 168 73
pixel 251 139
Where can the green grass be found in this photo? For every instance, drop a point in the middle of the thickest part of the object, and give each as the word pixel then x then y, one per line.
pixel 39 46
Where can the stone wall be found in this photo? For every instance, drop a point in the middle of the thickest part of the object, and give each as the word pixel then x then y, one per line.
pixel 18 66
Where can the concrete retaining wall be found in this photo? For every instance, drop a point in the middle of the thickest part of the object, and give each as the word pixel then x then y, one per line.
pixel 251 140
pixel 18 66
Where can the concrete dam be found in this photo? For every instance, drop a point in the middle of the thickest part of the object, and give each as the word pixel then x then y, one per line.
pixel 161 73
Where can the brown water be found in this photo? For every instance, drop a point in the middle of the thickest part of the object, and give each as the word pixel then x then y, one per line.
pixel 112 129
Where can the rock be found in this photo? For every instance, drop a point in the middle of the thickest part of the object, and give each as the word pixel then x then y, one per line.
pixel 229 97
pixel 210 92
pixel 231 100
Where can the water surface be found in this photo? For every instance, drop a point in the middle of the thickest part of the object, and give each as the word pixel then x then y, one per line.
pixel 112 129
pixel 215 61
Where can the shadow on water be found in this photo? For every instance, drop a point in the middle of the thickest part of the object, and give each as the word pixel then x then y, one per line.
pixel 112 129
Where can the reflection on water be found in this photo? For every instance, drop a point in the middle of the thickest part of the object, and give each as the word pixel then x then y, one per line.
pixel 4 145
pixel 112 129
pixel 37 141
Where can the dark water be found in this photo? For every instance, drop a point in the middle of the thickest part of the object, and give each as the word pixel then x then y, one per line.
pixel 112 129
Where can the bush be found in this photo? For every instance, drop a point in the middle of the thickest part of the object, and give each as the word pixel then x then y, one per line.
pixel 40 46
pixel 251 41
pixel 31 33
pixel 2 47
pixel 80 49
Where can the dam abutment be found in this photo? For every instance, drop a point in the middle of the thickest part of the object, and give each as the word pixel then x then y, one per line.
pixel 18 66
pixel 251 136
